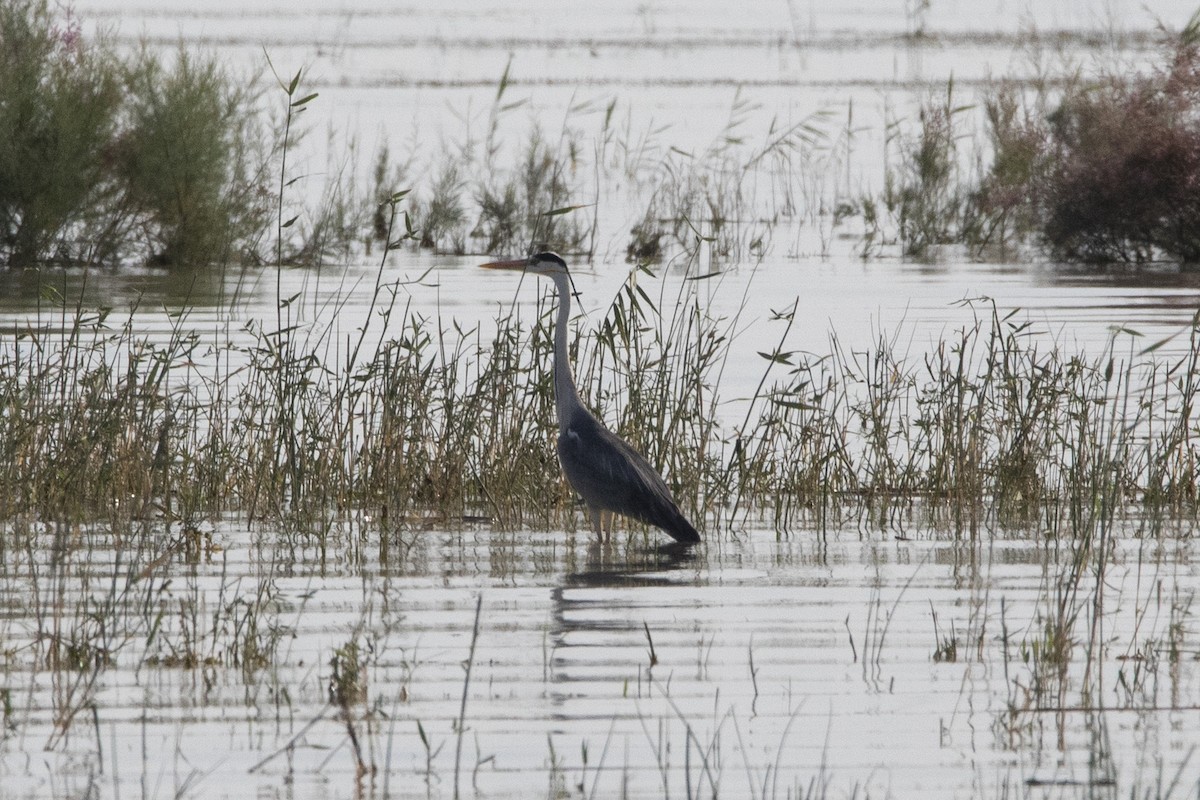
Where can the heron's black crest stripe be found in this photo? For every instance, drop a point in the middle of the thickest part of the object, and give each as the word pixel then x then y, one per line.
pixel 552 257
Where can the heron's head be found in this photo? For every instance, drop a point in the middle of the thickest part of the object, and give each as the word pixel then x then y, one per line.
pixel 547 263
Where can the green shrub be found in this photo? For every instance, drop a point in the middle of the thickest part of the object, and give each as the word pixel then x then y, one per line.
pixel 443 218
pixel 104 160
pixel 59 100
pixel 179 157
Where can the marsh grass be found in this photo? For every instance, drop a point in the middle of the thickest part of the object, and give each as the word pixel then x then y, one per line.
pixel 729 198
pixel 926 193
pixel 486 195
pixel 422 419
pixel 482 206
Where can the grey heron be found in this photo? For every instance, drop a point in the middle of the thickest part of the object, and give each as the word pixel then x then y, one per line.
pixel 609 474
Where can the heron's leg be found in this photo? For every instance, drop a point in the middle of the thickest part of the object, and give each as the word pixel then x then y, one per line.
pixel 597 519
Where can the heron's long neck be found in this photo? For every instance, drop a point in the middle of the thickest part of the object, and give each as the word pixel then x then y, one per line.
pixel 566 396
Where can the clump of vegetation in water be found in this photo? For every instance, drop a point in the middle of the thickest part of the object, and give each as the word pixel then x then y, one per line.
pixel 182 161
pixel 1125 178
pixel 107 160
pixel 1110 172
pixel 59 100
pixel 1098 170
pixel 925 194
pixel 474 203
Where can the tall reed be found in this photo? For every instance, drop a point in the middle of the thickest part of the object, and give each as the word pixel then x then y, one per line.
pixel 425 419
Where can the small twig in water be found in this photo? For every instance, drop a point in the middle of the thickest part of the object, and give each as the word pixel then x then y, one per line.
pixel 292 742
pixel 753 670
pixel 462 709
pixel 653 655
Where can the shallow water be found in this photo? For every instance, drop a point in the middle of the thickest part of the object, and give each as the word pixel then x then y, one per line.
pixel 868 660
pixel 779 664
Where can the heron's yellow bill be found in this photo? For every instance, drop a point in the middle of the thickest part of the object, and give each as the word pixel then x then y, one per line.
pixel 517 263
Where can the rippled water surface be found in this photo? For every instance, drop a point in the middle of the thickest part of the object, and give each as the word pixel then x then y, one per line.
pixel 854 662
pixel 856 659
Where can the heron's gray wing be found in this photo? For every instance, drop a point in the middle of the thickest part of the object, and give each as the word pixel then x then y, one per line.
pixel 611 475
